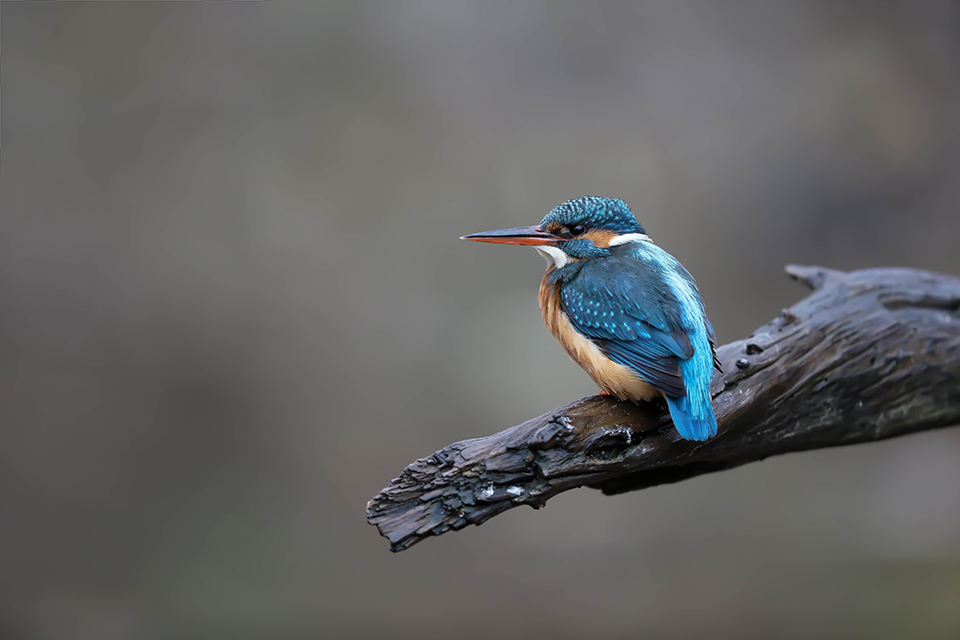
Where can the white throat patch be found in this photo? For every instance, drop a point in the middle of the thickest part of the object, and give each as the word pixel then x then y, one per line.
pixel 553 255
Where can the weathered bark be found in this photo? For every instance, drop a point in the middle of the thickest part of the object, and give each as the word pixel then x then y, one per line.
pixel 869 355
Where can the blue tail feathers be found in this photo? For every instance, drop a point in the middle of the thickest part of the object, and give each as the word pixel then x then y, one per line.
pixel 692 413
pixel 694 420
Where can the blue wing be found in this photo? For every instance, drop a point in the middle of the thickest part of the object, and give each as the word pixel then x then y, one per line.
pixel 626 308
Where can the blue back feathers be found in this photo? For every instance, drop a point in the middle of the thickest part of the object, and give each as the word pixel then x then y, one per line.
pixel 626 308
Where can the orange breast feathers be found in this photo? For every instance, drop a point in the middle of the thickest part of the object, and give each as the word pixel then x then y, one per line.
pixel 609 376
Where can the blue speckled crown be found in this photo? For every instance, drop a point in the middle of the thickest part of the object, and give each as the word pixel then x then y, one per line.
pixel 599 213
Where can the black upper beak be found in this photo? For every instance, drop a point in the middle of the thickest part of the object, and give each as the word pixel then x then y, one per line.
pixel 527 236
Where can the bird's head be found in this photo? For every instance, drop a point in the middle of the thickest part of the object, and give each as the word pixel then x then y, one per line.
pixel 581 229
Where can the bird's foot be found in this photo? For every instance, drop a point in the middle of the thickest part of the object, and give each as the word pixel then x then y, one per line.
pixel 604 392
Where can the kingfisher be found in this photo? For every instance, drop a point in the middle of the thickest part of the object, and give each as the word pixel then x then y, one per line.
pixel 623 308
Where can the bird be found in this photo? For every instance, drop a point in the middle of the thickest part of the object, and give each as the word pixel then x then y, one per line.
pixel 624 309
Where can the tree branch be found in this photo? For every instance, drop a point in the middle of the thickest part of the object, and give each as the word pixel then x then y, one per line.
pixel 869 355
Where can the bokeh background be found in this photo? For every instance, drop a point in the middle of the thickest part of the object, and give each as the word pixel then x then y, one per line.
pixel 233 306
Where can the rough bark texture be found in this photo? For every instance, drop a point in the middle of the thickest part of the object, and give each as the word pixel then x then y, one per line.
pixel 869 355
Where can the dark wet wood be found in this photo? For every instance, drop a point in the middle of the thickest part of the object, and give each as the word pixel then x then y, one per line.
pixel 869 355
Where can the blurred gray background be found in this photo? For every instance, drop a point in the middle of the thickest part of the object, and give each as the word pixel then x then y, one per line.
pixel 233 306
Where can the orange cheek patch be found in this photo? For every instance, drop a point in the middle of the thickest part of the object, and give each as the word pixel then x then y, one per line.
pixel 600 237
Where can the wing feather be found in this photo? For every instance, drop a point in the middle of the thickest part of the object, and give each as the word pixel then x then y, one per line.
pixel 627 310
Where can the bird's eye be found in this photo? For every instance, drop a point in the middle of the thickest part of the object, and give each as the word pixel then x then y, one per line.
pixel 578 230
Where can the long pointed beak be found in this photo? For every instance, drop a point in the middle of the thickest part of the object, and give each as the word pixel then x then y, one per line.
pixel 527 236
